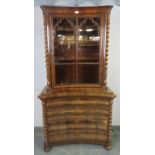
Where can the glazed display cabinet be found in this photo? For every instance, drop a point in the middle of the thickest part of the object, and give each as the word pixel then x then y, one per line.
pixel 77 104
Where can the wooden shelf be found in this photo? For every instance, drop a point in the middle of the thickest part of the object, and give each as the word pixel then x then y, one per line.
pixel 88 43
pixel 80 43
pixel 83 59
pixel 65 63
pixel 88 63
pixel 79 63
pixel 64 28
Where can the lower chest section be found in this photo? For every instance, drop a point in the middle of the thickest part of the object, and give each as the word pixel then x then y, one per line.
pixel 77 120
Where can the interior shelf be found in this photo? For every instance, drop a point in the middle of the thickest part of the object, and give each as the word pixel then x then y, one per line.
pixel 84 28
pixel 73 42
pixel 78 63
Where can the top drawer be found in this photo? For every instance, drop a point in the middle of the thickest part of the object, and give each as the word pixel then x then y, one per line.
pixel 53 103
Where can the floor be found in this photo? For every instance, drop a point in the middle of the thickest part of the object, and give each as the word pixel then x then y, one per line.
pixel 77 149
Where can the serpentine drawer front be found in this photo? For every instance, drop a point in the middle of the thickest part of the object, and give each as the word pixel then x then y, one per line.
pixel 76 103
pixel 74 121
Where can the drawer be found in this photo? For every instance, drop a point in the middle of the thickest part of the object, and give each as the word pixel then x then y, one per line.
pixel 86 120
pixel 78 124
pixel 76 116
pixel 77 106
pixel 79 110
pixel 75 135
pixel 57 103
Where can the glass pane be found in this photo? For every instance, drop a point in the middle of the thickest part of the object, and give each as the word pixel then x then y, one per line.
pixel 64 40
pixel 88 73
pixel 65 74
pixel 88 40
pixel 76 50
pixel 88 50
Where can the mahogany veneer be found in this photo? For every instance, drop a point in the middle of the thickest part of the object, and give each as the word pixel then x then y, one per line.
pixel 77 104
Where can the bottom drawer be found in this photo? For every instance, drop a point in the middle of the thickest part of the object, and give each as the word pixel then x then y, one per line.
pixel 78 135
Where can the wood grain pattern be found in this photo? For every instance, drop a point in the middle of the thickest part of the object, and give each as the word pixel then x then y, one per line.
pixel 76 112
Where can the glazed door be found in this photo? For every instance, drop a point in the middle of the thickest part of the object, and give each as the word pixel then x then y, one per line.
pixel 76 50
pixel 88 50
pixel 65 50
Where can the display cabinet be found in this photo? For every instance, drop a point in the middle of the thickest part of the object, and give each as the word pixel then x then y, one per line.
pixel 77 104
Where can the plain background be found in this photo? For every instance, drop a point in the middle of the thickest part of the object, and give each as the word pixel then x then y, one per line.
pixel 137 76
pixel 113 66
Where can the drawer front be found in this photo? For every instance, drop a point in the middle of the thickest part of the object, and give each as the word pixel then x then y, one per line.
pixel 78 124
pixel 76 101
pixel 75 135
pixel 71 111
pixel 77 120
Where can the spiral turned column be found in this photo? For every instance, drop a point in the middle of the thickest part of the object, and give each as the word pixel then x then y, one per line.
pixel 46 142
pixel 107 47
pixel 109 143
pixel 47 61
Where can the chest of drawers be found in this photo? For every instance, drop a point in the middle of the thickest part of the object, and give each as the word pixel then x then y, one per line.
pixel 77 118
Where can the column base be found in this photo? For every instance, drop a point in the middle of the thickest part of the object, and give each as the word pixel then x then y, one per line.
pixel 109 146
pixel 47 147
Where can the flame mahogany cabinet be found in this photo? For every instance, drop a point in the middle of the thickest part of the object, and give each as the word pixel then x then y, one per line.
pixel 76 103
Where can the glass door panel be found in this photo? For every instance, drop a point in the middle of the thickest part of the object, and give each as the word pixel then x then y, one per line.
pixel 65 74
pixel 88 73
pixel 64 40
pixel 88 50
pixel 65 50
pixel 88 40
